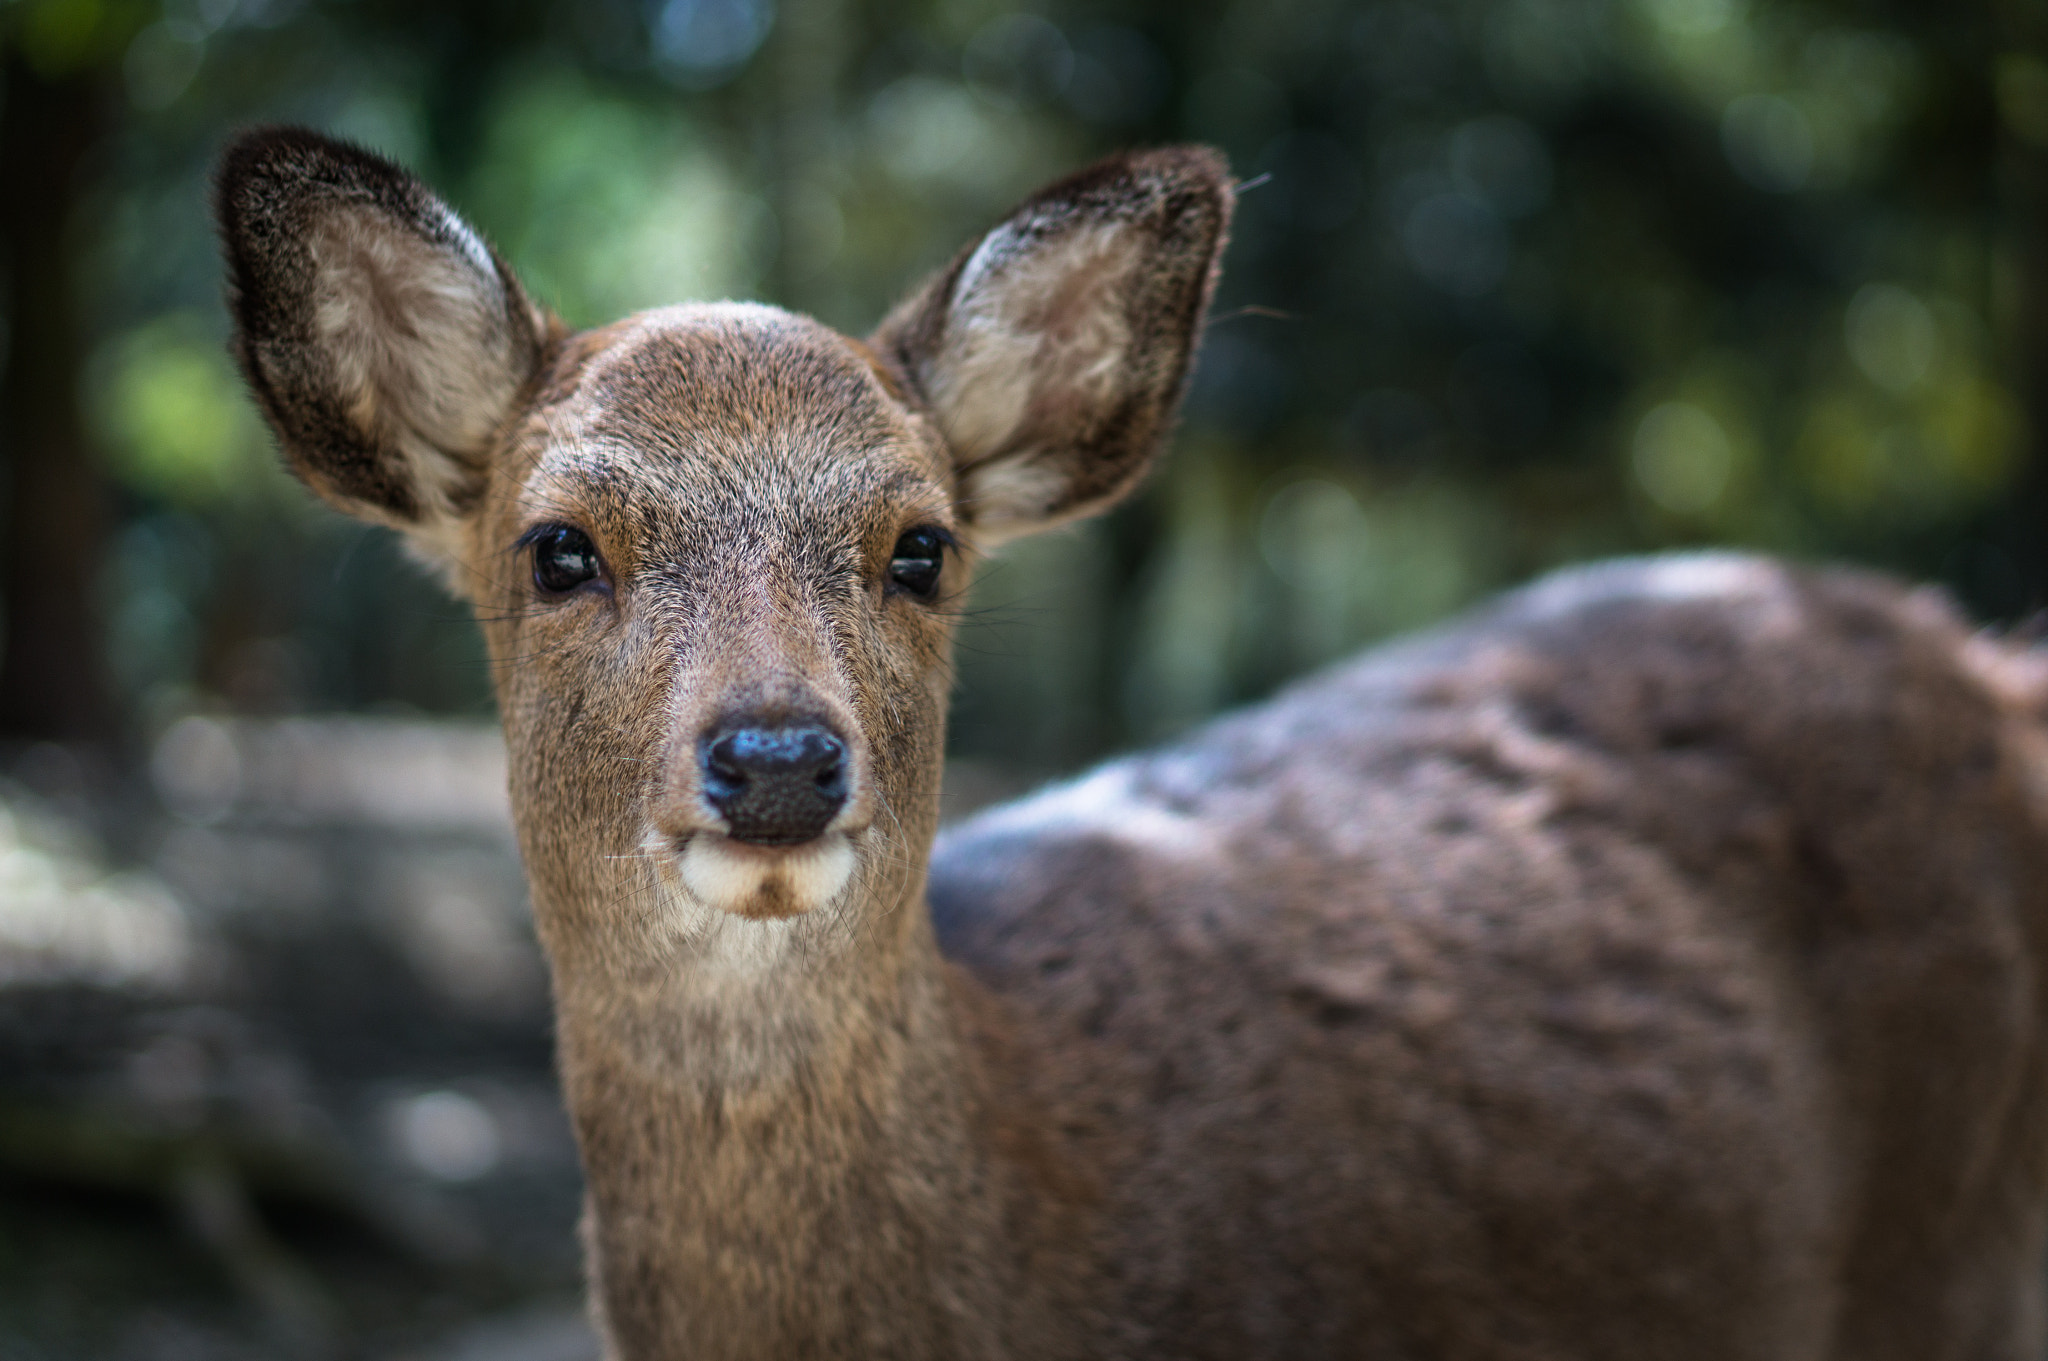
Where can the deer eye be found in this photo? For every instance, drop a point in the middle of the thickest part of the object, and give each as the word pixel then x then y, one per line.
pixel 915 563
pixel 563 559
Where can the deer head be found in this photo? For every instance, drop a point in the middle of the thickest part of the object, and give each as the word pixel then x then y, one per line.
pixel 716 549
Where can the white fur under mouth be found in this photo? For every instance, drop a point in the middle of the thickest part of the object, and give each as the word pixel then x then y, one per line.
pixel 766 882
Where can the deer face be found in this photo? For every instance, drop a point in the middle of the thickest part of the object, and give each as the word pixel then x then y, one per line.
pixel 715 549
pixel 728 561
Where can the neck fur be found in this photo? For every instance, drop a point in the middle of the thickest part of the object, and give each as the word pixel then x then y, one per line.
pixel 787 1154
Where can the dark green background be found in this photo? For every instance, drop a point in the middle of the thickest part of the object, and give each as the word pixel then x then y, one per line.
pixel 1520 282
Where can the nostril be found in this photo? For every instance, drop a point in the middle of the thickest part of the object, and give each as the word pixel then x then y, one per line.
pixel 833 776
pixel 775 786
pixel 827 756
pixel 724 775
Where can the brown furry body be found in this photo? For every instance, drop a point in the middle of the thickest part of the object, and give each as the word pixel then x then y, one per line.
pixel 1650 965
pixel 1647 968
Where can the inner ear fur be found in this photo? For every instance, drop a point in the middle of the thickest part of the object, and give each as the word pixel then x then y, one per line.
pixel 1052 353
pixel 386 342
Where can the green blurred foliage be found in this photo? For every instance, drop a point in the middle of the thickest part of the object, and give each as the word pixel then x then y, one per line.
pixel 171 409
pixel 58 37
pixel 1514 282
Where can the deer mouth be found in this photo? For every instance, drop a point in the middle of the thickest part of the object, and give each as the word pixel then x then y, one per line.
pixel 765 882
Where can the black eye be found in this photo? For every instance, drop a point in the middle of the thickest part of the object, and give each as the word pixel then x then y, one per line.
pixel 915 564
pixel 563 558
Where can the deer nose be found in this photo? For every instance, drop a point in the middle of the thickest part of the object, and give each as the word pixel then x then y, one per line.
pixel 774 786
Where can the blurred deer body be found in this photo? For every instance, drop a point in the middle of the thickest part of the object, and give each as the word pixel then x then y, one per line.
pixel 1647 966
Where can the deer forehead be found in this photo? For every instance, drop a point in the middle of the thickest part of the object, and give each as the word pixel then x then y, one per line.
pixel 708 423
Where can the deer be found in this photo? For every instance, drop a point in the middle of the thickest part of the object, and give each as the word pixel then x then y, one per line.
pixel 1647 964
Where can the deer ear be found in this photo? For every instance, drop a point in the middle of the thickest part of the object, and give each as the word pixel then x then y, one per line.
pixel 384 340
pixel 1052 352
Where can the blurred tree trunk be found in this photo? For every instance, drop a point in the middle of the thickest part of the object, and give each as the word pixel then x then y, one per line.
pixel 2014 537
pixel 2020 530
pixel 54 522
pixel 799 95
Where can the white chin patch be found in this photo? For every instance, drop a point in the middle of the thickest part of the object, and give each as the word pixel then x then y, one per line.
pixel 766 882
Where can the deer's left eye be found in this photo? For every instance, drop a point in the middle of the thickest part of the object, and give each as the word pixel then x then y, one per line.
pixel 917 560
pixel 563 559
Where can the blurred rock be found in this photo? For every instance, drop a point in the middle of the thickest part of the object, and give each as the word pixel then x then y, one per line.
pixel 561 1334
pixel 319 936
pixel 415 777
pixel 65 918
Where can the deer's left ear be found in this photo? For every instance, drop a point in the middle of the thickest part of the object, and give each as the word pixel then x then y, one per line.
pixel 1052 352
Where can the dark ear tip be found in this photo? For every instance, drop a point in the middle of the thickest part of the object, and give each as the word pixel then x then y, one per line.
pixel 1202 172
pixel 284 148
pixel 1176 180
pixel 264 165
pixel 1190 164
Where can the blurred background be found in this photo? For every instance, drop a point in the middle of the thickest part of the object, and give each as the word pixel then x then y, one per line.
pixel 1514 283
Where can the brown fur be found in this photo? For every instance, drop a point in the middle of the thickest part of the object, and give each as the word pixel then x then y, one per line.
pixel 1646 967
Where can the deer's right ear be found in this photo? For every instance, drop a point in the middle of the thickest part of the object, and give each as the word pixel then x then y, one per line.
pixel 384 340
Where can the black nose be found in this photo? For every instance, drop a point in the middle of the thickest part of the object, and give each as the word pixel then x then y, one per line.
pixel 774 786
